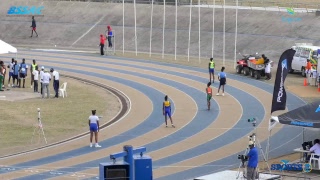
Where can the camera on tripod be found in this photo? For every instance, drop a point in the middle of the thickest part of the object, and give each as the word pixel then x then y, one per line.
pixel 243 158
pixel 253 121
pixel 252 137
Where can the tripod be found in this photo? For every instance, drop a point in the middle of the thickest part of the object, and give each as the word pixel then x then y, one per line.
pixel 257 144
pixel 39 127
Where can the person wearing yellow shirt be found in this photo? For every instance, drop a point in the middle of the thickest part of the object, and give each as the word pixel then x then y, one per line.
pixel 166 108
pixel 33 67
pixel 211 70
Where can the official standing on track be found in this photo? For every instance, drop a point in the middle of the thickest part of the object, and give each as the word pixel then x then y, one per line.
pixel 94 127
pixel 211 70
pixel 10 67
pixel 56 77
pixel 223 80
pixel 45 83
pixel 33 67
pixel 41 77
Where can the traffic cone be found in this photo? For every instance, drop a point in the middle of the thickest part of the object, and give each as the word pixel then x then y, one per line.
pixel 305 82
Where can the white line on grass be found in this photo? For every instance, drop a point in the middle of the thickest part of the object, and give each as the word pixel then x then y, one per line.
pixel 89 30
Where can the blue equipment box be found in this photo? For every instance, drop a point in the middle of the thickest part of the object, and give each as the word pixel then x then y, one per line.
pixel 142 167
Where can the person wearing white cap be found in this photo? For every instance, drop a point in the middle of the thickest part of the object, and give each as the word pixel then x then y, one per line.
pixel 45 83
pixel 35 74
pixel 252 161
pixel 55 75
pixel 41 77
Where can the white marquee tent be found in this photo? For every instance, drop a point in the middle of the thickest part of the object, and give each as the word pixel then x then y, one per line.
pixel 6 48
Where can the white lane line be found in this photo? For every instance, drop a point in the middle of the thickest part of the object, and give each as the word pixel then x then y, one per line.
pixel 89 30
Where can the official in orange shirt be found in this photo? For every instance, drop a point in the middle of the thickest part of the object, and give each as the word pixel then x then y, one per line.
pixel 308 67
pixel 102 41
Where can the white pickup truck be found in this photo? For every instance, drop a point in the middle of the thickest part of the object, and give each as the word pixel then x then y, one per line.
pixel 303 52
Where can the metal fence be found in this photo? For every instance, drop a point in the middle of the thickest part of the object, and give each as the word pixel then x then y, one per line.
pixel 307 4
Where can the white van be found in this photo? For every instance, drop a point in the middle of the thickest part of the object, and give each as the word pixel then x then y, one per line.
pixel 304 51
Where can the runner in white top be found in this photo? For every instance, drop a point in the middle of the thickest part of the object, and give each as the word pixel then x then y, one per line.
pixel 41 77
pixel 35 74
pixel 45 83
pixel 10 67
pixel 56 84
pixel 94 127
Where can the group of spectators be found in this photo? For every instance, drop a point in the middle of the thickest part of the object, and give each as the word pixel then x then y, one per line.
pixel 19 73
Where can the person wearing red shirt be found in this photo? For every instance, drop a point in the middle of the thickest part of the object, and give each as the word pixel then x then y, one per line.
pixel 102 41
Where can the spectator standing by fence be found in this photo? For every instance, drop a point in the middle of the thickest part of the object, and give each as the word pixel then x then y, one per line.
pixel 109 35
pixel 102 41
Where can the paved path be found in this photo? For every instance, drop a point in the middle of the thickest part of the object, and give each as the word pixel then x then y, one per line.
pixel 203 141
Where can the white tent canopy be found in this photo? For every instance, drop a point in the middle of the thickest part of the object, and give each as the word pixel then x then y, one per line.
pixel 6 48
